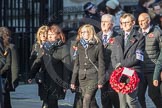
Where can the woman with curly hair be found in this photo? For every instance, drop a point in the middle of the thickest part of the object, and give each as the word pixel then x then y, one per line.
pixel 10 69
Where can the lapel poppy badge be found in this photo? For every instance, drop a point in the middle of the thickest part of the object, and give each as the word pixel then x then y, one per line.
pixel 111 40
pixel 150 35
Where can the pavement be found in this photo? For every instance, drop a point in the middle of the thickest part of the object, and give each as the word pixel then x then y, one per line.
pixel 26 96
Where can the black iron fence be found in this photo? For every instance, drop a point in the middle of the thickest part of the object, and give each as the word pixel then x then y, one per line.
pixel 23 17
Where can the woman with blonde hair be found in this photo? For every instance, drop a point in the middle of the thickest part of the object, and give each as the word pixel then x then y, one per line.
pixel 36 70
pixel 89 64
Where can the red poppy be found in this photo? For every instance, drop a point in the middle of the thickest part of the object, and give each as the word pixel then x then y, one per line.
pixel 111 40
pixel 122 87
pixel 151 35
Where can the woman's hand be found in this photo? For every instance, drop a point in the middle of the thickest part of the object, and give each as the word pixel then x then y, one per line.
pixel 72 86
pixel 155 83
pixel 29 81
pixel 100 86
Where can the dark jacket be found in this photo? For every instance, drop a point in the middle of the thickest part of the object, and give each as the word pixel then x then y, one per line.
pixel 107 53
pixel 56 67
pixel 153 41
pixel 83 68
pixel 127 56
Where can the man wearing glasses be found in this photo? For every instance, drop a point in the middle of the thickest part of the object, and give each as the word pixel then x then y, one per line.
pixel 153 42
pixel 124 54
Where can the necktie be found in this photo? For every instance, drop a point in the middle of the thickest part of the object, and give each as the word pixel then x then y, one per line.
pixel 104 39
pixel 144 33
pixel 125 39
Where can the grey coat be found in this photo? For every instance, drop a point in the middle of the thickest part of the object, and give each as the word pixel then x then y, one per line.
pixel 107 53
pixel 11 68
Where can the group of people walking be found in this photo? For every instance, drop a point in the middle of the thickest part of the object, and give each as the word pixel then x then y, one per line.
pixel 87 65
pixel 85 62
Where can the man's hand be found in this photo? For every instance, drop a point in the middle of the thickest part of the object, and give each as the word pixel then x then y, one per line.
pixel 155 83
pixel 118 65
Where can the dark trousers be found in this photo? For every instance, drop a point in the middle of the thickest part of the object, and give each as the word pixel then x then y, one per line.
pixel 50 104
pixel 78 101
pixel 153 92
pixel 109 98
pixel 7 100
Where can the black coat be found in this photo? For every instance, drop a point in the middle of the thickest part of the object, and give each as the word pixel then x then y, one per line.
pixel 84 68
pixel 127 56
pixel 56 73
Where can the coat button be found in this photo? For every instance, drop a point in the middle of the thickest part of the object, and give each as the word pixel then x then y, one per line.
pixel 85 63
pixel 85 70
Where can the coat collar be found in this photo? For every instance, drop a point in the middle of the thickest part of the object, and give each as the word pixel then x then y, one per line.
pixel 112 36
pixel 132 39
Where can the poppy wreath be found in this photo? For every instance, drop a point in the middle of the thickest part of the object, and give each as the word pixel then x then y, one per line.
pixel 124 88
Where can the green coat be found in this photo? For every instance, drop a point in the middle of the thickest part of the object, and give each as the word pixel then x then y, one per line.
pixel 11 68
pixel 158 67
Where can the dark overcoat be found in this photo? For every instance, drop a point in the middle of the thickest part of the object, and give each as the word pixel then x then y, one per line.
pixel 56 72
pixel 83 68
pixel 127 56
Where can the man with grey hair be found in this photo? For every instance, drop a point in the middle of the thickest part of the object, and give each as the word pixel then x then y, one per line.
pixel 109 97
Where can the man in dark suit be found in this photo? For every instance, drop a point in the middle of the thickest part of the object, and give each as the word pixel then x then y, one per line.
pixel 127 52
pixel 109 97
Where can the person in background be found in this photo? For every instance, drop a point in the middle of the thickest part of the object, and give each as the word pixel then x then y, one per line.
pixel 89 64
pixel 153 42
pixel 124 54
pixel 109 97
pixel 157 11
pixel 157 77
pixel 1 96
pixel 9 71
pixel 91 16
pixel 113 8
pixel 35 70
pixel 101 8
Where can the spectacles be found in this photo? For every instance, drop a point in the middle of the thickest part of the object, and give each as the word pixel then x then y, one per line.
pixel 125 22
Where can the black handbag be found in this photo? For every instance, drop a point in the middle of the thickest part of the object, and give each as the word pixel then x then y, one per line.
pixel 39 77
